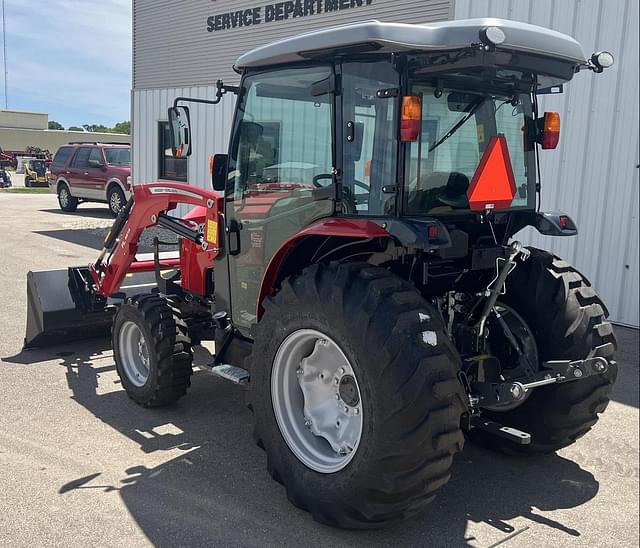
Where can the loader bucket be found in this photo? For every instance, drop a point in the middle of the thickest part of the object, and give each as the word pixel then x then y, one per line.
pixel 52 315
pixel 61 309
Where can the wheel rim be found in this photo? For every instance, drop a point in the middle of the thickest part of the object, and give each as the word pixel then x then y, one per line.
pixel 64 197
pixel 134 353
pixel 527 342
pixel 115 202
pixel 317 401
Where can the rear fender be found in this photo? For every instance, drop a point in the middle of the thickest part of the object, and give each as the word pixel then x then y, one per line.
pixel 548 223
pixel 280 264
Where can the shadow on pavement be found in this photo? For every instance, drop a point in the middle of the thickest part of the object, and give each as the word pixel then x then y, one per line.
pixel 627 389
pixel 93 238
pixel 95 212
pixel 218 490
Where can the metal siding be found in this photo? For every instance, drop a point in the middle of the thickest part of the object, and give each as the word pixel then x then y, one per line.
pixel 172 47
pixel 593 174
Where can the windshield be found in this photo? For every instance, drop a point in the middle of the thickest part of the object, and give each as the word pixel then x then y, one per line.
pixel 38 166
pixel 456 128
pixel 118 156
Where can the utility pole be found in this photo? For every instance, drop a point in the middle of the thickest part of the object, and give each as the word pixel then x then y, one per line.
pixel 4 52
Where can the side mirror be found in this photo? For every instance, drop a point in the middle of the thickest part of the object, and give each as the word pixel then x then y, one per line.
pixel 180 131
pixel 218 168
pixel 96 164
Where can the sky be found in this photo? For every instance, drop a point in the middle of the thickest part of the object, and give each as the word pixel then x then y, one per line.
pixel 69 58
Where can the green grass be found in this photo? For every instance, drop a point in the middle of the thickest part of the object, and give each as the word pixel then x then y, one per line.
pixel 25 190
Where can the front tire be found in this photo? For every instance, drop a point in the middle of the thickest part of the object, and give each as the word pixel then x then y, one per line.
pixel 152 351
pixel 401 370
pixel 568 321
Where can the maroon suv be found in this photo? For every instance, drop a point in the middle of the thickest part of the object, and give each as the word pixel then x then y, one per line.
pixel 91 172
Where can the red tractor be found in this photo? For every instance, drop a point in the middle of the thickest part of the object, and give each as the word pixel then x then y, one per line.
pixel 359 272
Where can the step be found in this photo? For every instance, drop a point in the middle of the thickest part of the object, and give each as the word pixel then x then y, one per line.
pixel 236 375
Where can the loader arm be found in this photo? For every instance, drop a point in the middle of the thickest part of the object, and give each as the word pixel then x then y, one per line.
pixel 148 207
pixel 72 304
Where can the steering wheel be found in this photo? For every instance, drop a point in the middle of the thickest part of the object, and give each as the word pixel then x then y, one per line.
pixel 361 185
pixel 319 177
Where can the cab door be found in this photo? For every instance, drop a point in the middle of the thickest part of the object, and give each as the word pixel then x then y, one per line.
pixel 281 173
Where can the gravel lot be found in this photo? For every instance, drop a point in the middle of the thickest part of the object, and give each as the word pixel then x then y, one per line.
pixel 81 465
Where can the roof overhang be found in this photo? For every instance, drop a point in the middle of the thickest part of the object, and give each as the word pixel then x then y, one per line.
pixel 375 36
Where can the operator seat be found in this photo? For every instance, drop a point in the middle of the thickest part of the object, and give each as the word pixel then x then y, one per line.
pixel 438 192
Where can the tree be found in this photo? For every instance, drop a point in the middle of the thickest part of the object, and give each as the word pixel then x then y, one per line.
pixel 122 127
pixel 75 128
pixel 55 125
pixel 93 128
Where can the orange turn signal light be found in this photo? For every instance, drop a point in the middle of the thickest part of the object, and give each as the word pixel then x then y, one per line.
pixel 551 130
pixel 411 118
pixel 211 164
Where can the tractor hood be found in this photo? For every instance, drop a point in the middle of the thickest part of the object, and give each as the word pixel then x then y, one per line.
pixel 375 36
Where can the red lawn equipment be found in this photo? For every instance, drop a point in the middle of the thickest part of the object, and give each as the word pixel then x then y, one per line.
pixel 367 287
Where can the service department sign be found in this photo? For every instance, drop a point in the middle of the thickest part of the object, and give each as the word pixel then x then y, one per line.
pixel 279 11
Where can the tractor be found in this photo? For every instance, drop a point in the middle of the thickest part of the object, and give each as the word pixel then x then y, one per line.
pixel 354 262
pixel 35 172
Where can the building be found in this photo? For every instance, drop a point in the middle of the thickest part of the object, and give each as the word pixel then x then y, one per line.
pixel 19 130
pixel 181 50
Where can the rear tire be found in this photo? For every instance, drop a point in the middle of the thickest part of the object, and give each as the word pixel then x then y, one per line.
pixel 67 202
pixel 410 398
pixel 567 318
pixel 152 351
pixel 115 199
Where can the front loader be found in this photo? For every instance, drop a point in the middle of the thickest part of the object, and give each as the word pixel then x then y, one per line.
pixel 359 272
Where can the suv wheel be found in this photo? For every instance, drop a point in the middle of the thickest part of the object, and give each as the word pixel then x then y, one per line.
pixel 116 199
pixel 67 202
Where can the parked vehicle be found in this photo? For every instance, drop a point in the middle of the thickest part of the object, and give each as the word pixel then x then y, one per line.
pixel 5 178
pixel 91 172
pixel 35 172
pixel 359 274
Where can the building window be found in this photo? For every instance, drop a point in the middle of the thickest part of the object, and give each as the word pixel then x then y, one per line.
pixel 171 168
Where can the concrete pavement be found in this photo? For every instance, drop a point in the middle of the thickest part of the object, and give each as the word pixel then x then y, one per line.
pixel 81 465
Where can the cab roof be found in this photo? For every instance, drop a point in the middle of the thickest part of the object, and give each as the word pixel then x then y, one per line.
pixel 376 36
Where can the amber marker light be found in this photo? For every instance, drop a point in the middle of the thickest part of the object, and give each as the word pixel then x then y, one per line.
pixel 411 118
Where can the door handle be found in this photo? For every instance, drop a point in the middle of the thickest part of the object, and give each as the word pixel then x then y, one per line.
pixel 234 227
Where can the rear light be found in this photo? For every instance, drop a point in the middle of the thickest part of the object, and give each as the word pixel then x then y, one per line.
pixel 566 223
pixel 433 232
pixel 411 118
pixel 550 130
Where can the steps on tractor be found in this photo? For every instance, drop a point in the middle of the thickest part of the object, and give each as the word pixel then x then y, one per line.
pixel 236 375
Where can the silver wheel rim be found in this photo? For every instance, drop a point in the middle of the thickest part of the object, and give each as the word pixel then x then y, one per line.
pixel 64 197
pixel 134 353
pixel 316 401
pixel 115 202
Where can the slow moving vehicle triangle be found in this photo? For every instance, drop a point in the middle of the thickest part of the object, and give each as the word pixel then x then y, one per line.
pixel 493 185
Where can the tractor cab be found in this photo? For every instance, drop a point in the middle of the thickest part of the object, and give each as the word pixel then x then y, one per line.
pixel 415 130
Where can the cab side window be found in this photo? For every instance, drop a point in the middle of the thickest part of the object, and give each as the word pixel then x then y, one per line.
pixel 369 142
